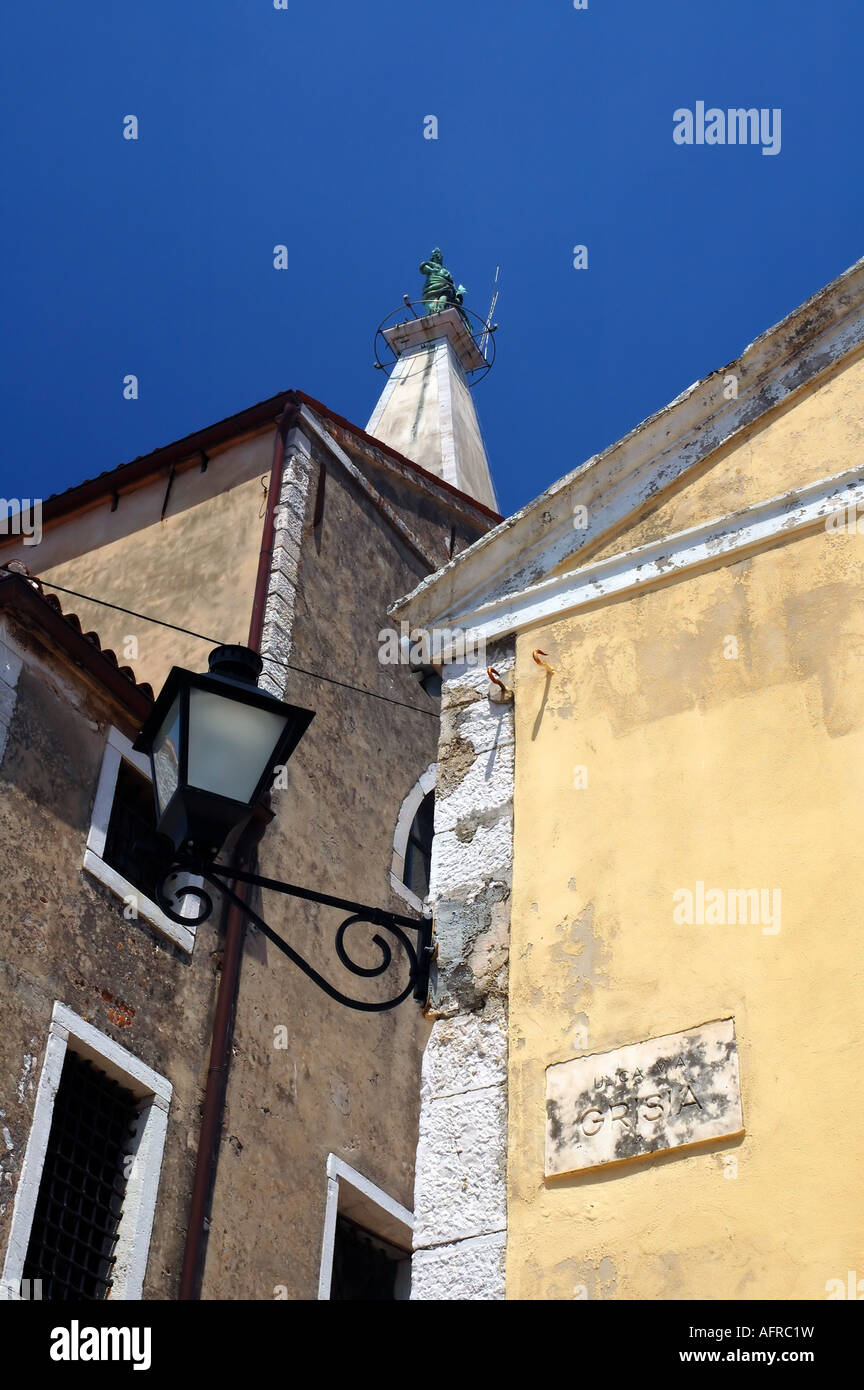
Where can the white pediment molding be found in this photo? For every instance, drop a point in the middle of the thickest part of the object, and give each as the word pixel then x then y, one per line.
pixel 718 542
pixel 620 484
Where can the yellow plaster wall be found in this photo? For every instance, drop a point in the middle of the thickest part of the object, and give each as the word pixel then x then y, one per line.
pixel 197 568
pixel 818 433
pixel 744 772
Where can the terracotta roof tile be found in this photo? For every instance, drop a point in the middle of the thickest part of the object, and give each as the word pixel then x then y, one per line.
pixel 19 589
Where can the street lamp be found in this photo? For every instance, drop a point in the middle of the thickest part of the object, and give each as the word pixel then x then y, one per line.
pixel 214 742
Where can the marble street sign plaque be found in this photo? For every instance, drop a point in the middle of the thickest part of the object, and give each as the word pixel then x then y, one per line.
pixel 644 1098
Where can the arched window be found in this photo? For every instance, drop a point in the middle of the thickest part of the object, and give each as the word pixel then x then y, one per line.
pixel 412 840
pixel 418 853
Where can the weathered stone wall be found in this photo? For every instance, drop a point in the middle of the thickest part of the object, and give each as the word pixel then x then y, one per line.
pixel 63 936
pixel 346 1082
pixel 460 1195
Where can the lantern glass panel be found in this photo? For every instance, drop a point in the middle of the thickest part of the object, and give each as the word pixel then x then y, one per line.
pixel 231 744
pixel 166 756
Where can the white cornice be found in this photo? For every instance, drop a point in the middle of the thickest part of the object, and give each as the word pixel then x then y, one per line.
pixel 619 484
pixel 718 542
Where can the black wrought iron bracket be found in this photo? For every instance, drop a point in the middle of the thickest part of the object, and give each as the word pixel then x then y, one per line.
pixel 419 953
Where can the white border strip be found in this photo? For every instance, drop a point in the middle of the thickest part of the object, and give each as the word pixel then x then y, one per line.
pixel 410 807
pixel 139 1204
pixel 338 1171
pixel 119 747
pixel 701 547
pixel 10 670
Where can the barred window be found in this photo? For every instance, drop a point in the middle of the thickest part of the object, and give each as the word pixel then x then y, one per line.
pixel 131 843
pixel 366 1268
pixel 80 1201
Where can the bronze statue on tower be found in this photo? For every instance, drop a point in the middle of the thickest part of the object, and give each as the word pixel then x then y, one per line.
pixel 440 290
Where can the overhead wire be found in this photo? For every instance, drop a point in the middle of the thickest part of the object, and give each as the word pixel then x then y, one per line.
pixel 215 641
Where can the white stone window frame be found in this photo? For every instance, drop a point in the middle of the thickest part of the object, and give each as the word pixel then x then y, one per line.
pixel 117 749
pixel 351 1195
pixel 10 670
pixel 410 806
pixel 153 1092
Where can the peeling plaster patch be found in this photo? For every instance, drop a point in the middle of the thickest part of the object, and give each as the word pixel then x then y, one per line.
pixel 466 828
pixel 481 798
pixel 641 680
pixel 473 945
pixel 491 949
pixel 455 760
pixel 579 1025
pixel 582 957
pixel 582 1279
pixel 838 666
pixel 119 1013
pixel 29 1064
pixel 602 1279
pixel 670 1276
pixel 459 699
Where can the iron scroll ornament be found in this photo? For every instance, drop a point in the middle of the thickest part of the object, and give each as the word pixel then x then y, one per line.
pixel 419 955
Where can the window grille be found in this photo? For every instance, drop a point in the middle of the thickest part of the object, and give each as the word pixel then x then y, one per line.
pixel 131 845
pixel 365 1268
pixel 81 1191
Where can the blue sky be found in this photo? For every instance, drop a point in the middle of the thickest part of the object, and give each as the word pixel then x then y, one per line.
pixel 305 127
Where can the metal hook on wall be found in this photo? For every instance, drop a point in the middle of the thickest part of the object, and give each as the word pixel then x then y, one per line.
pixel 496 680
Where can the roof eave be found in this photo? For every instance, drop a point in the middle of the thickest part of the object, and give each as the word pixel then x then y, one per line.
pixel 22 598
